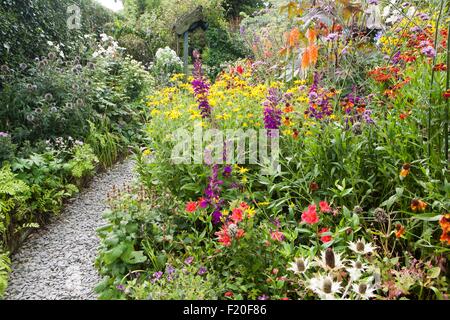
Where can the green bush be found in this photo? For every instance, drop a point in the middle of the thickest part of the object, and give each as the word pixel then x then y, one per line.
pixel 222 47
pixel 27 25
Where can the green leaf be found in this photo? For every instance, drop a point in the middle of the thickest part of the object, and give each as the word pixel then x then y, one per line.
pixel 433 273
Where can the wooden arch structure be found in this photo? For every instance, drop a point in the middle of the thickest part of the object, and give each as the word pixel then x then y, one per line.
pixel 185 24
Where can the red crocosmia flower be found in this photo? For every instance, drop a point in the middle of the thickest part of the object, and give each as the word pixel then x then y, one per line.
pixel 325 239
pixel 237 215
pixel 240 70
pixel 440 67
pixel 310 215
pixel 277 235
pixel 447 94
pixel 223 236
pixel 324 207
pixel 191 206
pixel 244 205
pixel 228 294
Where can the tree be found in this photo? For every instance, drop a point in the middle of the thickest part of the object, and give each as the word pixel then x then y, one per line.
pixel 235 7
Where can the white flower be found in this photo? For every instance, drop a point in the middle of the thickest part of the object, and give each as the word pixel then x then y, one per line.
pixel 364 290
pixel 325 287
pixel 361 247
pixel 356 270
pixel 330 260
pixel 299 265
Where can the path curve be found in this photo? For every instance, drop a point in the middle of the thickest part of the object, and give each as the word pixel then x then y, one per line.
pixel 57 262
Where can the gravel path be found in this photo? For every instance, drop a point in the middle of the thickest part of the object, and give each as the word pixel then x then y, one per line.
pixel 57 261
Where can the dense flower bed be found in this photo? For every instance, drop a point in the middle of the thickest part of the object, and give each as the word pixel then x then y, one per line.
pixel 359 208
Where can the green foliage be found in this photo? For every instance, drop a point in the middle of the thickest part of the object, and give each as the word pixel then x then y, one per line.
pixel 222 47
pixel 27 25
pixel 83 162
pixel 13 196
pixel 233 8
pixel 4 272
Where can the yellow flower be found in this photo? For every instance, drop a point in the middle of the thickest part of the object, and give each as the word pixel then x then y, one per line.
pixel 251 211
pixel 174 114
pixel 155 112
pixel 242 170
pixel 147 152
pixel 244 180
pixel 225 213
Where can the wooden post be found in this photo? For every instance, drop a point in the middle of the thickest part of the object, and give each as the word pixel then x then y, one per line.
pixel 186 52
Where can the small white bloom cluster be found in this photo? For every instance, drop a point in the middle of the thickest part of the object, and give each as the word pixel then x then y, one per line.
pixel 107 47
pixel 57 47
pixel 332 277
pixel 167 57
pixel 393 12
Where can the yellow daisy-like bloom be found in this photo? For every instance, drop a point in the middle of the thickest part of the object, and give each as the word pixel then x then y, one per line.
pixel 147 152
pixel 251 212
pixel 225 213
pixel 242 170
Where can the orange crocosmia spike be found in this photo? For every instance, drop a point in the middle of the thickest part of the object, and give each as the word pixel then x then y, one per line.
pixel 294 37
pixel 314 54
pixel 311 35
pixel 306 59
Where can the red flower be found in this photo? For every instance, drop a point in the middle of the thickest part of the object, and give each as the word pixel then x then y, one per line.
pixel 277 235
pixel 228 294
pixel 325 239
pixel 191 206
pixel 240 70
pixel 237 215
pixel 324 207
pixel 310 216
pixel 244 205
pixel 447 94
pixel 440 67
pixel 285 298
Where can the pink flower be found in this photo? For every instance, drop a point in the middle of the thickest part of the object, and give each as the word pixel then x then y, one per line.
pixel 310 216
pixel 324 207
pixel 237 215
pixel 277 235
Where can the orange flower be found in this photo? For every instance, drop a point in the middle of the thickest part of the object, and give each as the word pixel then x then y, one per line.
pixel 400 231
pixel 445 225
pixel 440 67
pixel 405 170
pixel 294 37
pixel 288 108
pixel 295 134
pixel 287 122
pixel 418 205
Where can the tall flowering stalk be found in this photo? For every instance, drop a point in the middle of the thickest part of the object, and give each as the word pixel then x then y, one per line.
pixel 447 153
pixel 319 103
pixel 272 114
pixel 432 78
pixel 201 87
pixel 212 194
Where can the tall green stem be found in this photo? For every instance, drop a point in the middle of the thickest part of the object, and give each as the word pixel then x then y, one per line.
pixel 432 79
pixel 447 153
